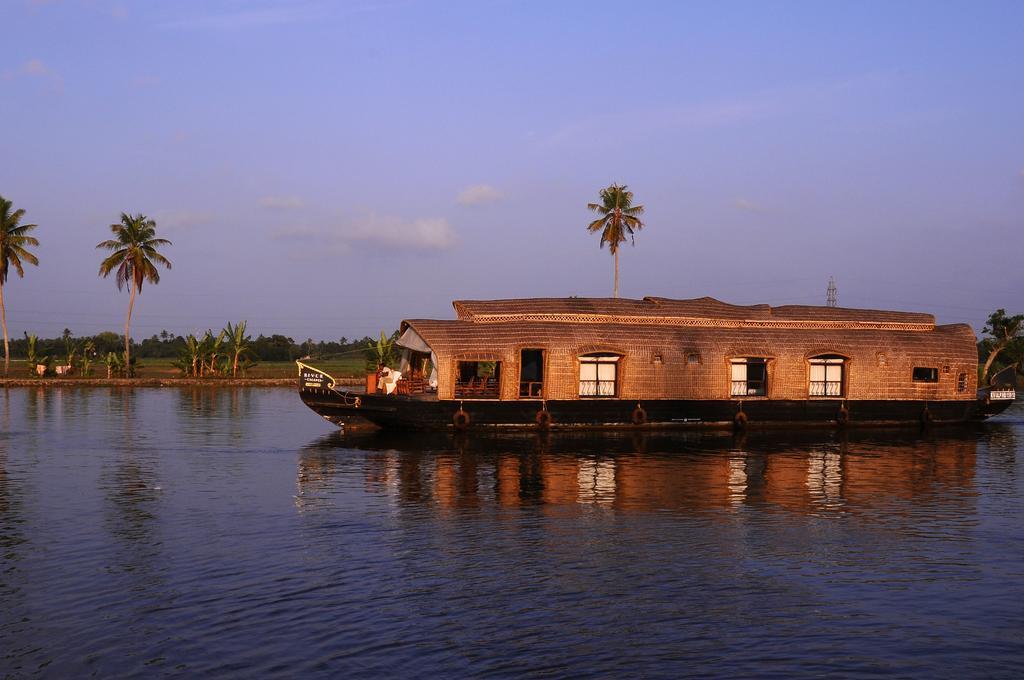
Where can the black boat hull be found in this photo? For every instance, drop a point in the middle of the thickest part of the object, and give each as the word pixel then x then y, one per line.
pixel 352 409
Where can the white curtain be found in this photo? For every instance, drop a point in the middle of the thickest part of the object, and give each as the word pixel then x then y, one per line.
pixel 411 340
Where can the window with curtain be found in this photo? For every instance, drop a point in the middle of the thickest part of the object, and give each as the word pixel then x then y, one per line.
pixel 599 375
pixel 749 377
pixel 827 375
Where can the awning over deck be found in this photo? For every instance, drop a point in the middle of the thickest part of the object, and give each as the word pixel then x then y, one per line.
pixel 411 340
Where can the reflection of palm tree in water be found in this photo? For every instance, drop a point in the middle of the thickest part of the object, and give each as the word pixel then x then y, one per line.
pixel 130 485
pixel 10 498
pixel 11 535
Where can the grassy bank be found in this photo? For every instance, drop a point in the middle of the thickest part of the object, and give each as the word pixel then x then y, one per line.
pixel 162 372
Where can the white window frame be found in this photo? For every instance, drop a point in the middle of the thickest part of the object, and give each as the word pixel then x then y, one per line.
pixel 822 382
pixel 740 383
pixel 595 381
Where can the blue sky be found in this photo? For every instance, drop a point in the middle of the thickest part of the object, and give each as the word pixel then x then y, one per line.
pixel 329 168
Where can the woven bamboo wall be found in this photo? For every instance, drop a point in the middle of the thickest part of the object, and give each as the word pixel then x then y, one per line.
pixel 880 361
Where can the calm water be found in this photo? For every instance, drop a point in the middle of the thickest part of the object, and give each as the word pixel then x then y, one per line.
pixel 234 533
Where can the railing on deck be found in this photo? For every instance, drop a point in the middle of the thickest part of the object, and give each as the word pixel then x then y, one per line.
pixel 476 388
pixel 747 388
pixel 531 389
pixel 413 386
pixel 826 388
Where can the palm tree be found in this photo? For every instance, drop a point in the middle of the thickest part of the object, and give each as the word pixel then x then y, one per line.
pixel 135 250
pixel 618 218
pixel 13 241
pixel 238 344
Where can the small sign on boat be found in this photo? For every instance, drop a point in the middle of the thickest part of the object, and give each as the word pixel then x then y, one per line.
pixel 1002 395
pixel 311 377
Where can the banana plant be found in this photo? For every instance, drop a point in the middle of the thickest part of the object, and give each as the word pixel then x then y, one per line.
pixel 32 358
pixel 213 347
pixel 70 353
pixel 115 364
pixel 88 354
pixel 190 357
pixel 239 346
pixel 381 353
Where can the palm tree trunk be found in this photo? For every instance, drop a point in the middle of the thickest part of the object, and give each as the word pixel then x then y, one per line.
pixel 234 367
pixel 127 324
pixel 3 322
pixel 616 273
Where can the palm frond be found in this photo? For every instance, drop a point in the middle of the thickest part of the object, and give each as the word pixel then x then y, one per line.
pixel 24 254
pixel 14 241
pixel 135 251
pixel 618 216
pixel 597 224
pixel 12 257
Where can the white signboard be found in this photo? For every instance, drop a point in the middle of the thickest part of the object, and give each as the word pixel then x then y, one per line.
pixel 1000 395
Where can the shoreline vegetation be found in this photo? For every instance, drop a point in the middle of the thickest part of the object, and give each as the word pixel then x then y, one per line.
pixel 162 382
pixel 228 355
pixel 348 371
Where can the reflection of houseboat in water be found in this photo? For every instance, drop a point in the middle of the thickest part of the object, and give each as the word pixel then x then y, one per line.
pixel 679 472
pixel 656 362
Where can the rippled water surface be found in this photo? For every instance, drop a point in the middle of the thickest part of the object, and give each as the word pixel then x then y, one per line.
pixel 234 533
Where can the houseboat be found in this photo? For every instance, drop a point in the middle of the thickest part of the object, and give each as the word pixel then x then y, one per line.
pixel 659 362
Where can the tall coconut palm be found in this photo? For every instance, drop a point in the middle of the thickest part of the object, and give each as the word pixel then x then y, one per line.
pixel 135 252
pixel 618 219
pixel 14 241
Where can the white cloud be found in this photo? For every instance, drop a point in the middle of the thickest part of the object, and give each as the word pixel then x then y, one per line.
pixel 36 68
pixel 375 231
pixel 182 220
pixel 281 202
pixel 269 15
pixel 301 232
pixel 420 234
pixel 261 13
pixel 746 205
pixel 478 194
pixel 743 109
pixel 145 80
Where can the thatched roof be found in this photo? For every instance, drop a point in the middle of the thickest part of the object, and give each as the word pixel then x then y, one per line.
pixel 703 312
pixel 462 337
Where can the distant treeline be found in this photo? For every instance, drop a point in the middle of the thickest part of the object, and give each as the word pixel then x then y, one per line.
pixel 167 345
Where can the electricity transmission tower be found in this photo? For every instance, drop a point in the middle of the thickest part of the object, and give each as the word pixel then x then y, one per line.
pixel 831 294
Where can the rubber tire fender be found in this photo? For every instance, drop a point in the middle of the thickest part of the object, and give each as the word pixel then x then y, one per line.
pixel 460 419
pixel 639 416
pixel 740 420
pixel 843 417
pixel 543 418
